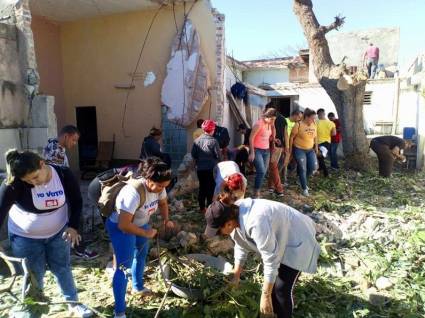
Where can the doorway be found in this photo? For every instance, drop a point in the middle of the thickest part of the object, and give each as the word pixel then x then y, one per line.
pixel 282 105
pixel 87 144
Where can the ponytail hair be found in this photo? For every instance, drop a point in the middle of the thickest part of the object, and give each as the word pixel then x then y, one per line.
pixel 21 163
pixel 232 188
pixel 154 169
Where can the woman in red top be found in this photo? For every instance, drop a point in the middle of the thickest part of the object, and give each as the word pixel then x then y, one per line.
pixel 335 141
pixel 259 146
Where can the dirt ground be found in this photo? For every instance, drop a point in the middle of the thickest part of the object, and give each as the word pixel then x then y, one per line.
pixel 372 234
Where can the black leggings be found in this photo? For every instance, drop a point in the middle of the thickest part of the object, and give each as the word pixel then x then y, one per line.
pixel 206 187
pixel 283 302
pixel 385 158
pixel 321 159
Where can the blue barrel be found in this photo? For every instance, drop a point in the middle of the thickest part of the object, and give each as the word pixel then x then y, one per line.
pixel 409 132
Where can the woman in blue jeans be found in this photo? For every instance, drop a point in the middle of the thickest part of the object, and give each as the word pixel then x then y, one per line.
pixel 303 144
pixel 262 134
pixel 44 205
pixel 129 230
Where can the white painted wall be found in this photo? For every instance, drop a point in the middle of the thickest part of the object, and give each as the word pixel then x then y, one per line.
pixel 315 97
pixel 421 131
pixel 267 76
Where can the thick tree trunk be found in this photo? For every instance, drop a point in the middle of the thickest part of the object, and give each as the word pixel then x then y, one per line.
pixel 349 102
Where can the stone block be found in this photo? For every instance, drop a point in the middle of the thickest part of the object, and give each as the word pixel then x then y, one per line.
pixel 7 31
pixel 37 138
pixel 9 138
pixel 42 112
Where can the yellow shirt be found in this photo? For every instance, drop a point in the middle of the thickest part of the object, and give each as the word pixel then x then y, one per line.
pixel 198 132
pixel 324 130
pixel 304 135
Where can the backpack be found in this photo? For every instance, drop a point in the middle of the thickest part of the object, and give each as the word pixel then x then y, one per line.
pixel 111 183
pixel 221 134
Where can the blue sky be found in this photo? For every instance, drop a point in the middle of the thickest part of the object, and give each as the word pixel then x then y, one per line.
pixel 255 28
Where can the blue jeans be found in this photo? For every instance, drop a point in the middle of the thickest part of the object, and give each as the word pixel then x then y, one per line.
pixel 130 252
pixel 53 252
pixel 334 156
pixel 372 65
pixel 261 163
pixel 306 164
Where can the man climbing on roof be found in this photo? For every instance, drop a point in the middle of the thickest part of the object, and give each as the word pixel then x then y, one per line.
pixel 372 57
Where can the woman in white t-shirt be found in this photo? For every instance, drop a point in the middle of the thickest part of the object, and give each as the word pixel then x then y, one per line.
pixel 222 171
pixel 44 206
pixel 129 228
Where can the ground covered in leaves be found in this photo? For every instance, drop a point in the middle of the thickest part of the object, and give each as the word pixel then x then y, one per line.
pixel 372 233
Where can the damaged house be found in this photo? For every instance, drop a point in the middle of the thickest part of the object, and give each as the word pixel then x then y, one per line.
pixel 391 101
pixel 114 69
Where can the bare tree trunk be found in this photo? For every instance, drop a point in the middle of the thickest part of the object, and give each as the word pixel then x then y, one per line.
pixel 348 102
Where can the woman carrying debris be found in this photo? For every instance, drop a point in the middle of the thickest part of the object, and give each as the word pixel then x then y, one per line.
pixel 129 230
pixel 303 144
pixel 206 153
pixel 44 206
pixel 284 237
pixel 259 146
pixel 388 149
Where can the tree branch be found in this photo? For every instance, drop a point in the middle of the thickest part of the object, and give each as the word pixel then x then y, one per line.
pixel 339 21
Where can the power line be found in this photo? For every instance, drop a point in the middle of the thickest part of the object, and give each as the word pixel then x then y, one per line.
pixel 136 67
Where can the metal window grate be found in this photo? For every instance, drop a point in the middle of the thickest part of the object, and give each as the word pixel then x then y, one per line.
pixel 367 99
pixel 174 138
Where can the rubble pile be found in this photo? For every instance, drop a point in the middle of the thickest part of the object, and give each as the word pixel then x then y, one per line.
pixel 371 231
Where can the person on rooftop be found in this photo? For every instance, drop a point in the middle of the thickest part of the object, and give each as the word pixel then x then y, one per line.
pixel 371 56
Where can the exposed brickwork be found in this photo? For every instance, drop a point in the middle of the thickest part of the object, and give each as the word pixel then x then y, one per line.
pixel 25 36
pixel 219 85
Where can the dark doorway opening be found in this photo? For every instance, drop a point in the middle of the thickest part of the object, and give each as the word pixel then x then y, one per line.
pixel 87 125
pixel 282 104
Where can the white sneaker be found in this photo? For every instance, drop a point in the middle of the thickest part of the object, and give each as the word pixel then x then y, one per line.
pixel 305 193
pixel 110 270
pixel 80 310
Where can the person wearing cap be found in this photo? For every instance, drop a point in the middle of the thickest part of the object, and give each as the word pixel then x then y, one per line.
pixel 284 237
pixel 206 153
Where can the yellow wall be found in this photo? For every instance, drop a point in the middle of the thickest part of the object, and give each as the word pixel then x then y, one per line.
pixel 100 52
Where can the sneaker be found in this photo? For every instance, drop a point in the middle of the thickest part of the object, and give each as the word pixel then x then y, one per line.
pixel 305 193
pixel 279 194
pixel 110 270
pixel 119 316
pixel 86 254
pixel 80 310
pixel 144 292
pixel 271 190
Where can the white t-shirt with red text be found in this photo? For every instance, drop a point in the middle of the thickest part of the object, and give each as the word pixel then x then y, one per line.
pixel 128 200
pixel 41 225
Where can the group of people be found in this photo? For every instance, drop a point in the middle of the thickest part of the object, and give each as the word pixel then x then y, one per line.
pixel 273 144
pixel 42 198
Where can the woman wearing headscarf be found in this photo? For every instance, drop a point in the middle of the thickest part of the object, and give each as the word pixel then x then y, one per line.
pixel 206 153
